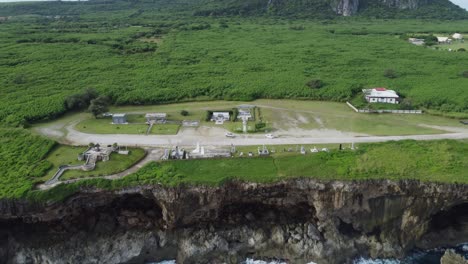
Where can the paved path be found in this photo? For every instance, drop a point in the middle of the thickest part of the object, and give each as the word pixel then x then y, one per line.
pixel 318 136
pixel 152 155
pixel 214 136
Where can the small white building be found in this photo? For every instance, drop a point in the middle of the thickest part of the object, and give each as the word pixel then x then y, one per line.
pixel 245 111
pixel 220 117
pixel 381 95
pixel 416 41
pixel 155 117
pixel 457 36
pixel 119 119
pixel 444 40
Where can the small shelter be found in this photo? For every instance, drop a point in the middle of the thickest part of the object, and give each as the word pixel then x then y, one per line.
pixel 119 119
pixel 220 117
pixel 457 36
pixel 444 40
pixel 381 95
pixel 156 118
pixel 245 112
pixel 416 41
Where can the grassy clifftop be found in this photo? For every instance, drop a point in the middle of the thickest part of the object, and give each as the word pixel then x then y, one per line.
pixel 436 161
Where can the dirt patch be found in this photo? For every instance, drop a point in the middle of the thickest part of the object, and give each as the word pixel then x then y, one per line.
pixel 157 40
pixel 302 119
pixel 319 121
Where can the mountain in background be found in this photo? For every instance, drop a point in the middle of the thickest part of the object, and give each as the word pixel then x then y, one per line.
pixel 439 9
pixel 321 9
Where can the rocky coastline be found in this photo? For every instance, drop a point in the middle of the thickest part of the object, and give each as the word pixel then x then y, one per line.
pixel 299 220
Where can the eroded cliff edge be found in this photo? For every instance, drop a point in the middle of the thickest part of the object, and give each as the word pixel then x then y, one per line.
pixel 300 220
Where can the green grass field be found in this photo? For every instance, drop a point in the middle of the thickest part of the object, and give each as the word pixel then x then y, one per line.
pixel 165 129
pixel 104 126
pixel 68 155
pixel 278 114
pixel 435 161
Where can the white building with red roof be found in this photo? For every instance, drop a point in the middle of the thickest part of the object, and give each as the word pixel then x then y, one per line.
pixel 381 95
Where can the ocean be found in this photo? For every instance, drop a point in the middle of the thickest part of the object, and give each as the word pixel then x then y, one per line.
pixel 416 257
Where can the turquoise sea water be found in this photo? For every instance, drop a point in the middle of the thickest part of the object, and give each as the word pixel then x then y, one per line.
pixel 416 257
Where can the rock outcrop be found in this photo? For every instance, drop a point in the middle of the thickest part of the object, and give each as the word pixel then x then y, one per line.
pixel 450 257
pixel 299 220
pixel 345 7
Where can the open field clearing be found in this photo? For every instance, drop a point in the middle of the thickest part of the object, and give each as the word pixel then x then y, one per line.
pixel 283 117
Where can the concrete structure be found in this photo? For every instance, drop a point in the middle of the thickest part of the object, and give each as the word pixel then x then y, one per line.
pixel 381 95
pixel 245 111
pixel 220 117
pixel 457 36
pixel 156 118
pixel 444 40
pixel 119 119
pixel 417 42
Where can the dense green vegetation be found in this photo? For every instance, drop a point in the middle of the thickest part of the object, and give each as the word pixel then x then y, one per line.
pixel 152 53
pixel 22 161
pixel 438 161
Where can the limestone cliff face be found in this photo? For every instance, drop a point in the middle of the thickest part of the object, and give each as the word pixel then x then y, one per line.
pixel 345 7
pixel 301 220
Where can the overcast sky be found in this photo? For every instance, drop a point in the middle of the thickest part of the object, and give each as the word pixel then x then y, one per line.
pixel 462 3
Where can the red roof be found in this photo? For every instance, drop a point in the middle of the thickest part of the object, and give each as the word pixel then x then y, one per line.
pixel 380 89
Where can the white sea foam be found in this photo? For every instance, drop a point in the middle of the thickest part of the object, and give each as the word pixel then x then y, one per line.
pixel 253 261
pixel 464 248
pixel 376 261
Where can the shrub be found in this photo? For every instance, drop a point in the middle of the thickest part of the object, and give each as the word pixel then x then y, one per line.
pixel 390 73
pixel 208 116
pixel 461 49
pixel 184 113
pixel 297 27
pixel 315 84
pixel 260 126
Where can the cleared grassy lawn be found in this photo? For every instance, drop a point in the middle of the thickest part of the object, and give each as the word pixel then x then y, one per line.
pixel 68 155
pixel 63 155
pixel 438 161
pixel 286 114
pixel 215 171
pixel 435 161
pixel 278 114
pixel 454 46
pixel 165 129
pixel 105 126
pixel 116 164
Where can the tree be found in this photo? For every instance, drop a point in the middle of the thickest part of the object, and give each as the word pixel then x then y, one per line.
pixel 184 113
pixel 390 73
pixel 99 106
pixel 80 101
pixel 315 84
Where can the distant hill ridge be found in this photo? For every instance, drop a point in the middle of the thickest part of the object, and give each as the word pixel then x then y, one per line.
pixel 439 9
